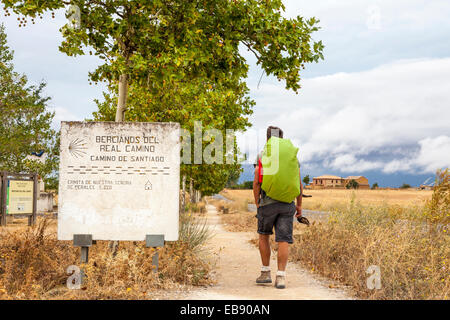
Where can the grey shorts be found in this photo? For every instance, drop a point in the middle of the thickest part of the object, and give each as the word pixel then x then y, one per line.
pixel 279 215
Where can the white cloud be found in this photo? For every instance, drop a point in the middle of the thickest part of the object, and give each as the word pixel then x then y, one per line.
pixel 349 163
pixel 434 153
pixel 398 111
pixel 397 165
pixel 407 29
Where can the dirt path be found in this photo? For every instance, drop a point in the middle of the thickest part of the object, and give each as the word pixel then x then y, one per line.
pixel 239 265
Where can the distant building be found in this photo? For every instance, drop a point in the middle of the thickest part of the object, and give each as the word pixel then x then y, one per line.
pixel 330 181
pixel 363 182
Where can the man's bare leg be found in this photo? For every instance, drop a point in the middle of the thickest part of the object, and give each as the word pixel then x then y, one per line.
pixel 283 253
pixel 264 249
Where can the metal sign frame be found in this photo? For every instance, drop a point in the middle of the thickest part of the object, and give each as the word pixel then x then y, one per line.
pixel 5 177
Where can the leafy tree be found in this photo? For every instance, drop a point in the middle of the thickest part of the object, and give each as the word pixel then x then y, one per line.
pixel 179 60
pixel 25 124
pixel 233 178
pixel 246 185
pixel 160 42
pixel 375 186
pixel 306 179
pixel 405 186
pixel 352 184
pixel 186 103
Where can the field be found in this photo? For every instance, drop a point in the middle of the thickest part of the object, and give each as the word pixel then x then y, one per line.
pixel 328 200
pixel 331 198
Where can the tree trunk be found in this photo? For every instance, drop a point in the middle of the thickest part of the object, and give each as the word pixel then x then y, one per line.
pixel 183 195
pixel 123 95
pixel 120 116
pixel 191 192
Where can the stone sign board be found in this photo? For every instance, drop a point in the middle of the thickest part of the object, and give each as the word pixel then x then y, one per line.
pixel 119 180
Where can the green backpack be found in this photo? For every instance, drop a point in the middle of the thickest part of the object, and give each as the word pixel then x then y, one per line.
pixel 280 170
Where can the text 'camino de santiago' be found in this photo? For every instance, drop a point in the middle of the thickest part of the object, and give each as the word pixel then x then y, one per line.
pixel 124 144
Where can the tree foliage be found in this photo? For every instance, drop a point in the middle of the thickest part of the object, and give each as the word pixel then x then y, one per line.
pixel 306 179
pixel 352 184
pixel 25 123
pixel 179 39
pixel 246 185
pixel 181 60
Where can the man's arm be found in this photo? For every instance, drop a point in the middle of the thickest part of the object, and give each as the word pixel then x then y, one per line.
pixel 256 187
pixel 299 198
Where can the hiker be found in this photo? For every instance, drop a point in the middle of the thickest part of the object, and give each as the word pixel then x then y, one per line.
pixel 278 210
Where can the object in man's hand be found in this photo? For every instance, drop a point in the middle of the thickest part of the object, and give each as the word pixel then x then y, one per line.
pixel 306 196
pixel 303 220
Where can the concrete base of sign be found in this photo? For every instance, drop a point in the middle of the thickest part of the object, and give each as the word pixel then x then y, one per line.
pixel 84 241
pixel 154 241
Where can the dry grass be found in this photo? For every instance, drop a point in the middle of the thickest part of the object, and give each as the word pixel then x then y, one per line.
pixel 239 195
pixel 329 199
pixel 413 260
pixel 238 218
pixel 239 222
pixel 33 265
pixel 233 206
pixel 198 207
pixel 410 245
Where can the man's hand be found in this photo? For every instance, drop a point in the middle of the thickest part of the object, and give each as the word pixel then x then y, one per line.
pixel 299 211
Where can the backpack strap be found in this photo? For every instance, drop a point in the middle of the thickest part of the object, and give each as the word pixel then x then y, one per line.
pixel 260 171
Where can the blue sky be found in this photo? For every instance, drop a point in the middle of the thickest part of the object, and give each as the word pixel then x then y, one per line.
pixel 378 105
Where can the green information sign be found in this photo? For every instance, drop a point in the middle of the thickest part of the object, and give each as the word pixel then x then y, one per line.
pixel 19 197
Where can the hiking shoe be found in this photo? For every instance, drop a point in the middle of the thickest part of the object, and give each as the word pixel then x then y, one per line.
pixel 264 277
pixel 280 282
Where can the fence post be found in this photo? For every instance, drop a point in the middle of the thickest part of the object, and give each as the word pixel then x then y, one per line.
pixel 36 193
pixel 3 199
pixel 154 240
